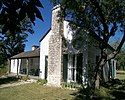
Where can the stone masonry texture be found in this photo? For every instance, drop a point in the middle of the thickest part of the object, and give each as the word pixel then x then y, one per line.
pixel 55 51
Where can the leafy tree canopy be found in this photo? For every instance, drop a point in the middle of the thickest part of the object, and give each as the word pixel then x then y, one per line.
pixel 16 19
pixel 12 12
pixel 102 19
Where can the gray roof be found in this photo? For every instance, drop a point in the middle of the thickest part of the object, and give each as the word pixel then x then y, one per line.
pixel 28 54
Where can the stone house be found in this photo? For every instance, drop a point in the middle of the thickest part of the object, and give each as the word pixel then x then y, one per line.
pixel 59 63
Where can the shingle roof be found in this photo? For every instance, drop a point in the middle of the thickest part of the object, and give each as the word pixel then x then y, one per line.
pixel 28 54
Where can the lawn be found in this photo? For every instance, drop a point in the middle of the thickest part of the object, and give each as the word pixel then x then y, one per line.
pixel 120 75
pixel 35 91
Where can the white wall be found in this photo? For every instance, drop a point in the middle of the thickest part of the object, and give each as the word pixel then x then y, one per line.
pixel 44 47
pixel 68 32
pixel 14 64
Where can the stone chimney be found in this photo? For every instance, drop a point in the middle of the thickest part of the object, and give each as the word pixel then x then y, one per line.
pixel 55 50
pixel 34 47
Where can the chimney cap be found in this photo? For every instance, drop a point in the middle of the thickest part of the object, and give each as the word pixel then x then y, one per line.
pixel 34 47
pixel 55 7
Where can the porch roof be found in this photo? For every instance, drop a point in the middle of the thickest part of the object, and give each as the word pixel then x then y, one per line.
pixel 28 54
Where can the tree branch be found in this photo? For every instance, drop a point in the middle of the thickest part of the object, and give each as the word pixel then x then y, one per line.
pixel 102 18
pixel 113 30
pixel 113 54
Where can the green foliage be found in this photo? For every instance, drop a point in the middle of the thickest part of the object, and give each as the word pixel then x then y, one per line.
pixel 99 18
pixel 42 81
pixel 16 19
pixel 12 12
pixel 102 19
pixel 112 90
pixel 2 57
pixel 25 78
pixel 13 44
pixel 102 94
pixel 7 80
pixel 3 69
pixel 70 85
pixel 121 61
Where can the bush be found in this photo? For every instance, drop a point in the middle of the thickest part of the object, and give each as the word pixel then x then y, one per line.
pixel 25 78
pixel 3 69
pixel 42 81
pixel 6 80
pixel 70 85
pixel 102 93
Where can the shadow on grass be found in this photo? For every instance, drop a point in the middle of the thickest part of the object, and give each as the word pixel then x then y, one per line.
pixel 117 88
pixel 8 80
pixel 112 90
pixel 83 94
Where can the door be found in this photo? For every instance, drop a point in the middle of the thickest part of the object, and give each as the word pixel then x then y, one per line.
pixel 46 66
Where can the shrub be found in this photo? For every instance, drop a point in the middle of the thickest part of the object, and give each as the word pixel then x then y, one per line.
pixel 10 79
pixel 70 85
pixel 3 69
pixel 25 78
pixel 103 94
pixel 42 81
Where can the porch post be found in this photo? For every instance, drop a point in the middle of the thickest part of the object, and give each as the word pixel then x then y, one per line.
pixel 68 68
pixel 17 67
pixel 113 68
pixel 27 66
pixel 85 60
pixel 75 66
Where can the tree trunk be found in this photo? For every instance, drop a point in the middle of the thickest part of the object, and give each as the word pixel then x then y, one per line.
pixel 9 65
pixel 98 73
pixel 17 67
pixel 97 82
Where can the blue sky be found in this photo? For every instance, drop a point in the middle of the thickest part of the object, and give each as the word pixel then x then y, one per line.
pixel 40 27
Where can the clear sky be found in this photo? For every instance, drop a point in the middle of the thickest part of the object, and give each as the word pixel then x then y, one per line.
pixel 40 27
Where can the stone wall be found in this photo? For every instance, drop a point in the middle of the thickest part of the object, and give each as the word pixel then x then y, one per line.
pixel 55 51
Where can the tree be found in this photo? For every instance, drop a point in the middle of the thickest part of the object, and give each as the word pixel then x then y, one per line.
pixel 99 18
pixel 12 44
pixel 16 19
pixel 121 61
pixel 12 12
pixel 120 57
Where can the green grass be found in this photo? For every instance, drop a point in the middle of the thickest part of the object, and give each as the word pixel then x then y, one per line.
pixel 35 91
pixel 121 75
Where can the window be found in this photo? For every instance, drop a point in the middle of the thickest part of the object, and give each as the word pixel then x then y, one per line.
pixel 75 68
pixel 71 68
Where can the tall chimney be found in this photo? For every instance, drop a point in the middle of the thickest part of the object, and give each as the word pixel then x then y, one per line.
pixel 55 50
